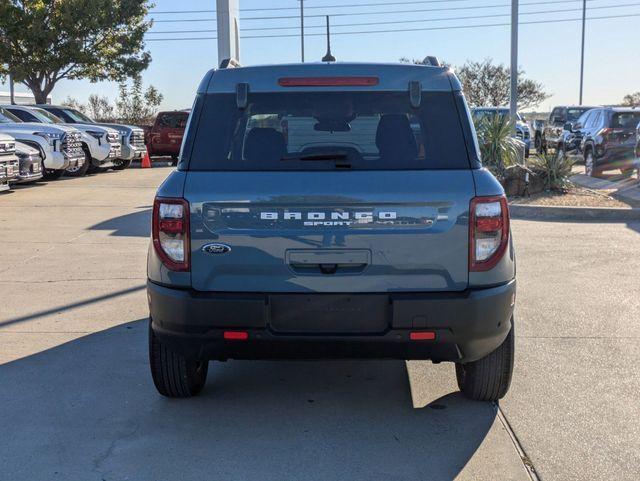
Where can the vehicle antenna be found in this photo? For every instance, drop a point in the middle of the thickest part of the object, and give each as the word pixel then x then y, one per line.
pixel 328 57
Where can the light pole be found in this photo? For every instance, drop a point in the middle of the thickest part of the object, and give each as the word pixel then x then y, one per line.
pixel 12 95
pixel 302 30
pixel 513 104
pixel 584 24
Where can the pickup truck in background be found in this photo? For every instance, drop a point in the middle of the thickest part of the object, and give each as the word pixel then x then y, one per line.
pixel 7 160
pixel 29 165
pixel 132 137
pixel 557 135
pixel 59 146
pixel 164 137
pixel 101 145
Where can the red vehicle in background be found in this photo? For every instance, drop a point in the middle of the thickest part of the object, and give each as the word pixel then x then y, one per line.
pixel 164 137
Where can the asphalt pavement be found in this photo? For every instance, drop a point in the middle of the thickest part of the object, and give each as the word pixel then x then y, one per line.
pixel 77 401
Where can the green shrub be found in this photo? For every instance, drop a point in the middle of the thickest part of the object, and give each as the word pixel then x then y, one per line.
pixel 554 169
pixel 498 146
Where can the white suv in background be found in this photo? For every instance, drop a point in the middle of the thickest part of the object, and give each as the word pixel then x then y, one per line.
pixel 60 146
pixel 101 145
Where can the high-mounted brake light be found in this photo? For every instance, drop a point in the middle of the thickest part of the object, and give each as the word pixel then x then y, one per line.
pixel 488 232
pixel 328 81
pixel 171 233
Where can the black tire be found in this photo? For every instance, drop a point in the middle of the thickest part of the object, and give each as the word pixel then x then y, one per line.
pixel 82 171
pixel 489 378
pixel 51 174
pixel 537 142
pixel 120 164
pixel 174 159
pixel 173 375
pixel 590 164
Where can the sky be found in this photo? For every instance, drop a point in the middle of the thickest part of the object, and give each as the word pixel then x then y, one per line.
pixel 549 52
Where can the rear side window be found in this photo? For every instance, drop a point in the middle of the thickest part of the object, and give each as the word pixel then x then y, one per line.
pixel 173 120
pixel 328 130
pixel 625 120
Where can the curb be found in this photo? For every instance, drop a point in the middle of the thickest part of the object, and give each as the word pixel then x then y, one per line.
pixel 562 213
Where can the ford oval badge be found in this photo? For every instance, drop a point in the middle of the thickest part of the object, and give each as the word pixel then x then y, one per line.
pixel 216 248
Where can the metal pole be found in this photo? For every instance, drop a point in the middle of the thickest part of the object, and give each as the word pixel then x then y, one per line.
pixel 302 30
pixel 584 24
pixel 513 104
pixel 11 90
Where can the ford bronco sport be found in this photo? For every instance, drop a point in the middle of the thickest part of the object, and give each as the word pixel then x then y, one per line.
pixel 331 211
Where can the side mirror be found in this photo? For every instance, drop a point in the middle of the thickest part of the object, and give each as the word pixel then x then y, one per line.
pixel 568 126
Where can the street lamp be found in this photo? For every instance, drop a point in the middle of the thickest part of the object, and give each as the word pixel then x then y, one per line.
pixel 513 105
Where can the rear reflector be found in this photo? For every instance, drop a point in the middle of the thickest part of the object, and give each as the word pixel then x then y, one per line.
pixel 236 335
pixel 422 336
pixel 328 81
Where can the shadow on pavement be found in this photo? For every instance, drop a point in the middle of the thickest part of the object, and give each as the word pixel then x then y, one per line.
pixel 87 409
pixel 136 224
pixel 66 307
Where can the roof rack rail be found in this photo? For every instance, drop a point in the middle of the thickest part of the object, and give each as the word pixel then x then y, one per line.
pixel 230 63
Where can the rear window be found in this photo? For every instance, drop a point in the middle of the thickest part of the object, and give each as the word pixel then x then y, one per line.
pixel 173 120
pixel 625 120
pixel 327 131
pixel 574 114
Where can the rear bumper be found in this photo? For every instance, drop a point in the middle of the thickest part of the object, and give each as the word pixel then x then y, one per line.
pixel 468 325
pixel 616 157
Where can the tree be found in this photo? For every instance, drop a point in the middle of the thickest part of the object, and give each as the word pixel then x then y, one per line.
pixel 135 106
pixel 487 84
pixel 632 100
pixel 74 104
pixel 45 41
pixel 100 109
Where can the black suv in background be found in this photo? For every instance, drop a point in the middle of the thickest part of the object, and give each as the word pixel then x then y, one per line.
pixel 557 134
pixel 608 139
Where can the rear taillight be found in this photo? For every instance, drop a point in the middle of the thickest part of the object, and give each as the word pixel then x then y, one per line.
pixel 488 231
pixel 171 232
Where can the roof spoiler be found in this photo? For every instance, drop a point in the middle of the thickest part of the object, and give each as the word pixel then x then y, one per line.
pixel 230 63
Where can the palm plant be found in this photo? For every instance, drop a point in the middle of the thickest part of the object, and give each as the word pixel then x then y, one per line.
pixel 498 146
pixel 554 169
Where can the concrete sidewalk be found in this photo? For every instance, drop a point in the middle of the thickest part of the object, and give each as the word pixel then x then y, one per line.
pixel 625 189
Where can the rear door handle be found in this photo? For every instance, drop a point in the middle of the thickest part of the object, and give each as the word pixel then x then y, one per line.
pixel 329 261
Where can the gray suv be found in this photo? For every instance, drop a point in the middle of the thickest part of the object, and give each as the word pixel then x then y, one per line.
pixel 331 211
